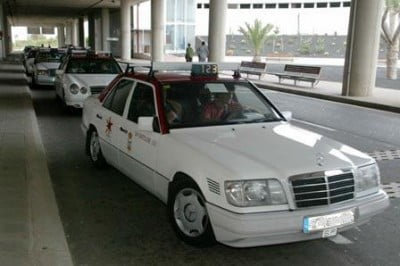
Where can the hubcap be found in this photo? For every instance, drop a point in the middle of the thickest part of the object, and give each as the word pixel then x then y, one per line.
pixel 94 146
pixel 190 213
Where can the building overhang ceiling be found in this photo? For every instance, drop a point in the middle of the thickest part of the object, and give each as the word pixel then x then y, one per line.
pixel 51 12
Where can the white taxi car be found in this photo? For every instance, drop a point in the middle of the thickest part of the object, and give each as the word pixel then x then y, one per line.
pixel 45 65
pixel 83 74
pixel 227 163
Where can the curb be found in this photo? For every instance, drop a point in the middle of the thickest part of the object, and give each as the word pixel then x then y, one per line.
pixel 341 99
pixel 48 242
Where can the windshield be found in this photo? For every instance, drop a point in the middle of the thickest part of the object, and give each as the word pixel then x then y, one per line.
pixel 215 103
pixel 49 56
pixel 32 54
pixel 93 66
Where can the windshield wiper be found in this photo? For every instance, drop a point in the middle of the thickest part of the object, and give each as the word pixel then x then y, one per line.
pixel 264 120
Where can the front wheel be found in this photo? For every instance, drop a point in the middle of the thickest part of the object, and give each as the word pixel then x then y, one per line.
pixel 95 153
pixel 188 215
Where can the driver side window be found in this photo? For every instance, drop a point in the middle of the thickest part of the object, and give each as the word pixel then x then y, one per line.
pixel 115 102
pixel 142 103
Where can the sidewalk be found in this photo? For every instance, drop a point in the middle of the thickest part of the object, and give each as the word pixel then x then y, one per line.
pixel 31 232
pixel 382 99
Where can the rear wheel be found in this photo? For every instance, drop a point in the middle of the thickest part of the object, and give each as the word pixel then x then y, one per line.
pixel 95 153
pixel 188 215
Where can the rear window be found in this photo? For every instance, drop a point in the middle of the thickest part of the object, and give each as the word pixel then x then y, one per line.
pixel 93 66
pixel 49 57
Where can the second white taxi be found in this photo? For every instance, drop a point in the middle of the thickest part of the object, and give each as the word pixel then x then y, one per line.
pixel 226 161
pixel 83 74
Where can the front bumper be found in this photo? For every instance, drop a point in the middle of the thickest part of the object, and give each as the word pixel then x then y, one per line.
pixel 75 103
pixel 258 229
pixel 45 80
pixel 76 100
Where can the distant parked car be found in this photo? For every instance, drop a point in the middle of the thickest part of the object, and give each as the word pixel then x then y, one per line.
pixel 83 74
pixel 29 61
pixel 45 65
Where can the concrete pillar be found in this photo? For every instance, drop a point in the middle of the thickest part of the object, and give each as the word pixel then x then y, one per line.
pixel 75 32
pixel 362 47
pixel 8 37
pixel 125 37
pixel 98 41
pixel 158 10
pixel 92 33
pixel 2 29
pixel 60 35
pixel 81 32
pixel 105 28
pixel 68 33
pixel 216 30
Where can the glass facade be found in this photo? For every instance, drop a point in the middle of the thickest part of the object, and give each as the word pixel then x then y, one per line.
pixel 180 28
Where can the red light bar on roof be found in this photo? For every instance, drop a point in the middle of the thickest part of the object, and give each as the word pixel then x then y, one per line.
pixel 184 66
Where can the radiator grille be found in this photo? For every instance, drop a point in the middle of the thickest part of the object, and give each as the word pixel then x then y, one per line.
pixel 213 186
pixel 314 190
pixel 96 89
pixel 52 72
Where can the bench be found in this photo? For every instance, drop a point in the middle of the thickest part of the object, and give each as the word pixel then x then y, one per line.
pixel 253 68
pixel 299 73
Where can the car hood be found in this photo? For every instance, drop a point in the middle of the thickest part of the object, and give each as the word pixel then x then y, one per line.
pixel 47 65
pixel 270 150
pixel 91 80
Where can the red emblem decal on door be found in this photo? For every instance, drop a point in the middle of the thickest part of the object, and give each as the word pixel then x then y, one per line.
pixel 109 127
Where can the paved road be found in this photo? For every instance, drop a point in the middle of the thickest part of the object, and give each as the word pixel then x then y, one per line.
pixel 109 220
pixel 335 73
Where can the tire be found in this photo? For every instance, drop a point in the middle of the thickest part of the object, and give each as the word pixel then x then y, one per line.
pixel 34 86
pixel 94 149
pixel 188 214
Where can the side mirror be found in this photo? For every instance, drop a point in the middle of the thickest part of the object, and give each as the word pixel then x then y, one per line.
pixel 59 72
pixel 145 123
pixel 287 115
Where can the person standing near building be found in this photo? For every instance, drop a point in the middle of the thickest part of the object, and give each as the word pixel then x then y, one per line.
pixel 202 52
pixel 189 53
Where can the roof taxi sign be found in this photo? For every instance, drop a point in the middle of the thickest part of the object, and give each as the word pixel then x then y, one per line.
pixel 204 70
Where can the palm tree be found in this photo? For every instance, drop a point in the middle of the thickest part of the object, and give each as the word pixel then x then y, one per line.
pixel 256 35
pixel 391 35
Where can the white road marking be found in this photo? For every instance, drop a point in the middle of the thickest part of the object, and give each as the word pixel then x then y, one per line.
pixel 385 155
pixel 314 125
pixel 392 189
pixel 340 240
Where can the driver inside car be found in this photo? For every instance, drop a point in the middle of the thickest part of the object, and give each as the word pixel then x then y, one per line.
pixel 173 111
pixel 220 107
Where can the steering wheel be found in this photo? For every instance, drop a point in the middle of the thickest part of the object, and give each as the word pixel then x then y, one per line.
pixel 234 114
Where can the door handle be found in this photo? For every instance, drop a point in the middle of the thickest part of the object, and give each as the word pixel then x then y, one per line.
pixel 123 130
pixel 99 116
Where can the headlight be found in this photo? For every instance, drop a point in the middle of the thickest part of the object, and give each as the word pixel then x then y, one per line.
pixel 74 89
pixel 84 90
pixel 43 72
pixel 249 193
pixel 367 179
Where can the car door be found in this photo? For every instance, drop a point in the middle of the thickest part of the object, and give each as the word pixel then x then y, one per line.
pixel 109 120
pixel 138 147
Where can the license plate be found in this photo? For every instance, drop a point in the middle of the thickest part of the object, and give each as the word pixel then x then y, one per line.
pixel 329 232
pixel 334 220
